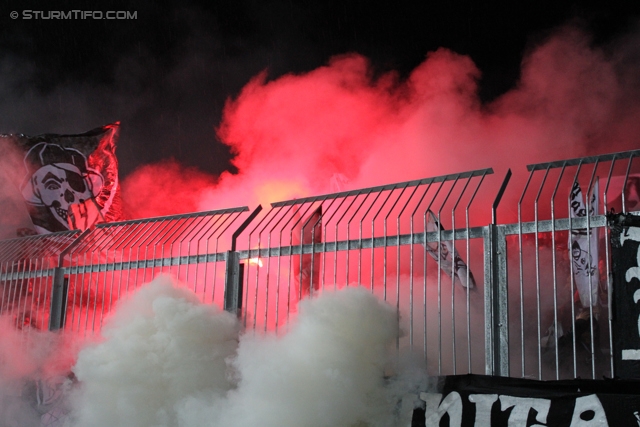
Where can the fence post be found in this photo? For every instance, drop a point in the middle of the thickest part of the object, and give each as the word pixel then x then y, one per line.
pixel 58 308
pixel 233 283
pixel 496 306
pixel 234 272
pixel 58 300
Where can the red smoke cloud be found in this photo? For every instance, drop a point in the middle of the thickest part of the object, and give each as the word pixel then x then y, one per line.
pixel 338 127
pixel 164 188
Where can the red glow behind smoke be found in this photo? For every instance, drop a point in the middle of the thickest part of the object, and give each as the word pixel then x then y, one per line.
pixel 164 188
pixel 294 135
pixel 339 128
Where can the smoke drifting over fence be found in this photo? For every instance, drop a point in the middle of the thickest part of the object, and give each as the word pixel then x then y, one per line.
pixel 336 128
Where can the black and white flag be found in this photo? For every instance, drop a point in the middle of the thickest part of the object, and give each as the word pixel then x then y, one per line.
pixel 584 247
pixel 447 255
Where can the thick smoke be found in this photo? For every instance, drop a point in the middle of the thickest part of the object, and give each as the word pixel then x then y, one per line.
pixel 167 360
pixel 34 368
pixel 292 136
pixel 12 208
pixel 160 346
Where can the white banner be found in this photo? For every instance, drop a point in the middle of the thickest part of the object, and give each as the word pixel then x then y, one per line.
pixel 584 247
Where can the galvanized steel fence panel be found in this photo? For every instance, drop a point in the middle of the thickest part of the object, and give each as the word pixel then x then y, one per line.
pixel 114 259
pixel 556 331
pixel 27 269
pixel 418 245
pixel 378 238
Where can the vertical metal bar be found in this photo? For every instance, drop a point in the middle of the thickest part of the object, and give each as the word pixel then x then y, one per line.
pixel 313 247
pixel 624 185
pixel 233 277
pixel 325 237
pixel 217 230
pixel 587 199
pixel 57 300
pixel 384 263
pixel 359 280
pixel 537 252
pixel 372 235
pixel 266 309
pixel 426 212
pixel 143 235
pixel 468 254
pixel 232 289
pixel 496 301
pixel 360 241
pixel 439 219
pixel 453 275
pixel 411 284
pixel 555 272
pixel 37 292
pixel 572 279
pixel 285 215
pixel 20 292
pixel 488 238
pixel 206 235
pixel 398 266
pixel 398 225
pixel 282 217
pixel 338 221
pixel 496 293
pixel 608 272
pixel 521 284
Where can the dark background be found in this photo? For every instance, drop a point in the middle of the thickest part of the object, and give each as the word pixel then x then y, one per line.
pixel 167 74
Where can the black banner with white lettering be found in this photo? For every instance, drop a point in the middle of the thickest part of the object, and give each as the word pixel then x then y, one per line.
pixel 625 252
pixel 476 400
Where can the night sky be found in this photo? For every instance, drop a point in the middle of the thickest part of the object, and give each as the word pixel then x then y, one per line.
pixel 167 74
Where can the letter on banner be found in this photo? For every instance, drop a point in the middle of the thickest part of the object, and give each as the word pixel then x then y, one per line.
pixel 435 409
pixel 584 249
pixel 521 408
pixel 483 402
pixel 589 405
pixel 444 257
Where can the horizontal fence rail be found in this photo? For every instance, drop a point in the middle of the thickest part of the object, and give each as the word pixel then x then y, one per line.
pixel 526 297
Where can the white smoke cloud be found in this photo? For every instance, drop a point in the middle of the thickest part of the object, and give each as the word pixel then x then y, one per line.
pixel 159 346
pixel 32 364
pixel 167 360
pixel 12 208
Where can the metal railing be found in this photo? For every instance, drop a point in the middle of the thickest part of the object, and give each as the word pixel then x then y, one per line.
pixel 85 274
pixel 472 295
pixel 385 239
pixel 572 332
pixel 27 269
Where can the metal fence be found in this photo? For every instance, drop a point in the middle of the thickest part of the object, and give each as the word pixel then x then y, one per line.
pixel 387 239
pixel 91 271
pixel 556 329
pixel 27 269
pixel 472 295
